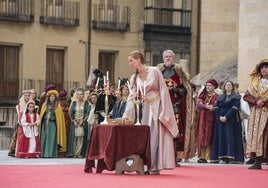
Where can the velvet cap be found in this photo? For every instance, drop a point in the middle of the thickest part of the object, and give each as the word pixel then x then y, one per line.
pixel 213 82
pixel 62 94
pixel 50 87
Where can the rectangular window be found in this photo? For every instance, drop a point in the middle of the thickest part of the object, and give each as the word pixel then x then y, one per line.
pixel 9 6
pixel 3 6
pixel 54 8
pixel 106 63
pixel 58 9
pixel 168 12
pixel 55 67
pixel 9 72
pixel 107 9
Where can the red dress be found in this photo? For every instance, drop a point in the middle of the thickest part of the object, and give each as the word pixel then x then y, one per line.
pixel 28 142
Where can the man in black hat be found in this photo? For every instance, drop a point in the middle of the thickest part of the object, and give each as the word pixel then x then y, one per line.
pixel 257 97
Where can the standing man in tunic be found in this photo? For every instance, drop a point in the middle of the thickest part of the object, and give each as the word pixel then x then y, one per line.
pixel 206 119
pixel 257 97
pixel 180 90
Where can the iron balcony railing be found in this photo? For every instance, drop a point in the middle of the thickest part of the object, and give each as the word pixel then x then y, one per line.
pixel 66 13
pixel 111 17
pixel 167 17
pixel 17 10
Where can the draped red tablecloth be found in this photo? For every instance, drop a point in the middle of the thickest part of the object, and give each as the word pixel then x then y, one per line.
pixel 110 143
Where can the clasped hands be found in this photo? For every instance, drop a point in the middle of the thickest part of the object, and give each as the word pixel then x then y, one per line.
pixel 79 123
pixel 260 103
pixel 223 119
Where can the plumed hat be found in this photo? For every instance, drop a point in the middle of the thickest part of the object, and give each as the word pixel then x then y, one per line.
pixel 63 93
pixel 50 87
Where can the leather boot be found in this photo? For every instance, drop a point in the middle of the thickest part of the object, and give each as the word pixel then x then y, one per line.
pixel 250 161
pixel 257 164
pixel 252 158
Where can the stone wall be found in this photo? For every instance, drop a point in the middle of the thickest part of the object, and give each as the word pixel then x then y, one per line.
pixel 253 38
pixel 6 133
pixel 34 39
pixel 219 33
pixel 8 120
pixel 120 42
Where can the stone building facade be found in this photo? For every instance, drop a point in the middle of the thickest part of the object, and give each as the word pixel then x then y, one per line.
pixel 232 39
pixel 51 33
pixel 56 41
pixel 59 41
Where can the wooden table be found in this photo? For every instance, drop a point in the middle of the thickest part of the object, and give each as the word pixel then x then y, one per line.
pixel 110 143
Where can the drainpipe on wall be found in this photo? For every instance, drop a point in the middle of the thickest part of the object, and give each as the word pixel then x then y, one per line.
pixel 89 36
pixel 86 56
pixel 198 35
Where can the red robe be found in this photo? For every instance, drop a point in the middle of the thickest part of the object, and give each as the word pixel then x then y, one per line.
pixel 206 121
pixel 185 120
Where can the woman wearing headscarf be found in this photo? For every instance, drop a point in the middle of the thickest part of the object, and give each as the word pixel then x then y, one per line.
pixel 18 132
pixel 257 97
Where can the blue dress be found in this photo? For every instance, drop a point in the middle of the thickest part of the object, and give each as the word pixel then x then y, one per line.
pixel 119 108
pixel 227 141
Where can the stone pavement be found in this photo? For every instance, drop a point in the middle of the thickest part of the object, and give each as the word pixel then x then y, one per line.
pixel 7 160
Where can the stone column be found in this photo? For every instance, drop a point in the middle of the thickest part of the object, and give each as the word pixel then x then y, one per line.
pixel 184 63
pixel 253 38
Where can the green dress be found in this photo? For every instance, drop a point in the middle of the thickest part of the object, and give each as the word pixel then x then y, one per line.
pixel 48 136
pixel 70 147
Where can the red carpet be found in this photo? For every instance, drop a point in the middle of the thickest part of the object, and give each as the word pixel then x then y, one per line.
pixel 65 176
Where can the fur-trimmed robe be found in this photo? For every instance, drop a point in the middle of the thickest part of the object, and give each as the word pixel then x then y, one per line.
pixel 189 127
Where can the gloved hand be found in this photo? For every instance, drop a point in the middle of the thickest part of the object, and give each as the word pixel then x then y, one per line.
pixel 181 90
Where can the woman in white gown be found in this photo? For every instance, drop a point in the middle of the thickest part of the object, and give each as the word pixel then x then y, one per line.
pixel 157 111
